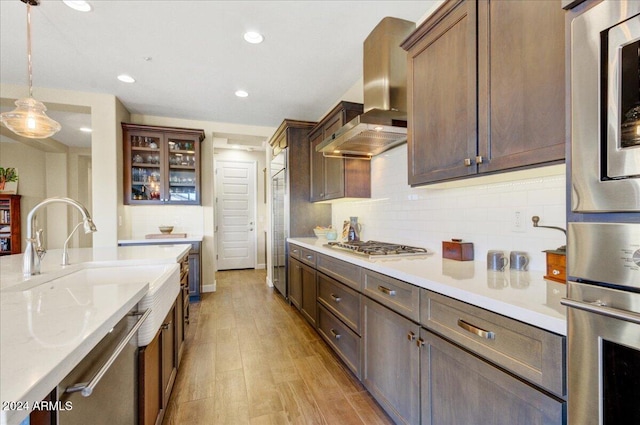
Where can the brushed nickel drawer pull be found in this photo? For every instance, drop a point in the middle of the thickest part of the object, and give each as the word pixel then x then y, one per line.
pixel 336 298
pixel 335 334
pixel 309 257
pixel 295 251
pixel 411 336
pixel 467 162
pixel 475 330
pixel 386 290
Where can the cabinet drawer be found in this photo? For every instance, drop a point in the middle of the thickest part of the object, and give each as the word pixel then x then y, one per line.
pixel 484 394
pixel 529 352
pixel 340 300
pixel 343 340
pixel 342 271
pixel 295 251
pixel 399 296
pixel 308 257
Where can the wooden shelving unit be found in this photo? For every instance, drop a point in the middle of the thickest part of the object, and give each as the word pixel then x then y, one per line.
pixel 10 236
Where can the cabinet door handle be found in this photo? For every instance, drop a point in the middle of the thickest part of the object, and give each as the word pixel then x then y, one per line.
pixel 335 334
pixel 420 342
pixel 555 272
pixel 475 330
pixel 467 162
pixel 479 159
pixel 165 326
pixel 411 336
pixel 386 290
pixel 336 298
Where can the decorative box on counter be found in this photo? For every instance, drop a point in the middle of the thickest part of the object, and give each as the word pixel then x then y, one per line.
pixel 457 250
pixel 556 265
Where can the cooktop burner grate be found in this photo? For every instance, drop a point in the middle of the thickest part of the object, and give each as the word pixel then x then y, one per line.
pixel 376 249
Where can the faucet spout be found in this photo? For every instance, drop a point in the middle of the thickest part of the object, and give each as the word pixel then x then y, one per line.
pixel 34 251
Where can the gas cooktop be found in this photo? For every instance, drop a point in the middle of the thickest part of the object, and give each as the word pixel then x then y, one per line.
pixel 376 249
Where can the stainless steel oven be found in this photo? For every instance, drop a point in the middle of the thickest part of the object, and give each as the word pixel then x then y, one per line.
pixel 604 323
pixel 605 99
pixel 603 246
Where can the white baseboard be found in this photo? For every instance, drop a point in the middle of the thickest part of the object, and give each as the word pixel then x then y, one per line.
pixel 261 266
pixel 209 288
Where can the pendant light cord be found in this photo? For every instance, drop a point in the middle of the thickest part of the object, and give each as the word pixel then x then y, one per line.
pixel 29 68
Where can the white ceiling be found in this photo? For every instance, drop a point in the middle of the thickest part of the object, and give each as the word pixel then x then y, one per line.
pixel 312 53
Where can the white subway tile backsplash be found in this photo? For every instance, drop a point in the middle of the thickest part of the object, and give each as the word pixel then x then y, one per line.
pixel 184 219
pixel 480 213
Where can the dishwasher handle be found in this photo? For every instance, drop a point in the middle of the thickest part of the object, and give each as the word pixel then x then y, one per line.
pixel 86 388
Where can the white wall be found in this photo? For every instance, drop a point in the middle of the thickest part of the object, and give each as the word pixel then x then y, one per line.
pixel 480 212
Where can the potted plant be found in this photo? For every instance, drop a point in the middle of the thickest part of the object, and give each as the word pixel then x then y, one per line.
pixel 8 175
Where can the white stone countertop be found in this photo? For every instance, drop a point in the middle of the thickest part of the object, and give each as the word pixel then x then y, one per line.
pixel 46 329
pixel 189 238
pixel 524 296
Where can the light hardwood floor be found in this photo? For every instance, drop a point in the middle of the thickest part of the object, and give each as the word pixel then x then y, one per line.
pixel 250 358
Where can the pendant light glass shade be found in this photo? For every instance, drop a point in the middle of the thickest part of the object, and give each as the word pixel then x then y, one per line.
pixel 29 118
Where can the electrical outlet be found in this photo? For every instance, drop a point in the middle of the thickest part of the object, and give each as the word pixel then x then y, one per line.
pixel 517 224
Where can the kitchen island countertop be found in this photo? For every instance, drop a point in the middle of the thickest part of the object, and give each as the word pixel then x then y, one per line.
pixel 524 296
pixel 46 329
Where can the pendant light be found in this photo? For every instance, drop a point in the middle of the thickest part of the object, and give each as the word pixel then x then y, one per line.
pixel 29 118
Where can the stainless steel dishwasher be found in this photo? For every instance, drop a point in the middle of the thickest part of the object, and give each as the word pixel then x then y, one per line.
pixel 103 387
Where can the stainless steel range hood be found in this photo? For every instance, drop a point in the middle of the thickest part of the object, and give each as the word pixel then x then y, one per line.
pixel 383 125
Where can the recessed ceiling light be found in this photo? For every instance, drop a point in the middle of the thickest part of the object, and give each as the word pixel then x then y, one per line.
pixel 253 37
pixel 126 78
pixel 241 93
pixel 81 6
pixel 85 129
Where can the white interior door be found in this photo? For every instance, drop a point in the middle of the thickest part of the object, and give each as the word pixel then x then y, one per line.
pixel 235 214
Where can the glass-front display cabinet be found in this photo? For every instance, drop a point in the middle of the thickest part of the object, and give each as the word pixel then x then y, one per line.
pixel 161 165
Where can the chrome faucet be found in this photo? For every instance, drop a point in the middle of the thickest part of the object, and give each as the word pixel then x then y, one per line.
pixel 34 251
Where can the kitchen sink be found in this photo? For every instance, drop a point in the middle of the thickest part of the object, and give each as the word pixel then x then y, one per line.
pixel 86 286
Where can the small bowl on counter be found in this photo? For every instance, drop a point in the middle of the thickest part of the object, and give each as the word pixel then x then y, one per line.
pixel 320 231
pixel 165 230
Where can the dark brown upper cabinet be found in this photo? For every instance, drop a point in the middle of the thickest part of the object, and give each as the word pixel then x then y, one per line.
pixel 486 89
pixel 161 165
pixel 333 178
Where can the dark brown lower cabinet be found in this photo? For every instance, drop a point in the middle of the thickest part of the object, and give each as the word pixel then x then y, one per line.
pixel 149 390
pixel 158 367
pixel 461 388
pixel 391 369
pixel 295 283
pixel 302 289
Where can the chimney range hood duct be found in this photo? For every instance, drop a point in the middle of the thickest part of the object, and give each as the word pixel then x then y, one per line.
pixel 383 125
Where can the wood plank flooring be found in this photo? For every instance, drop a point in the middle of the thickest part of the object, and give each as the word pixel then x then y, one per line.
pixel 250 358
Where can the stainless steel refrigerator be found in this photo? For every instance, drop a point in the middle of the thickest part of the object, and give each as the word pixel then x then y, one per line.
pixel 292 213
